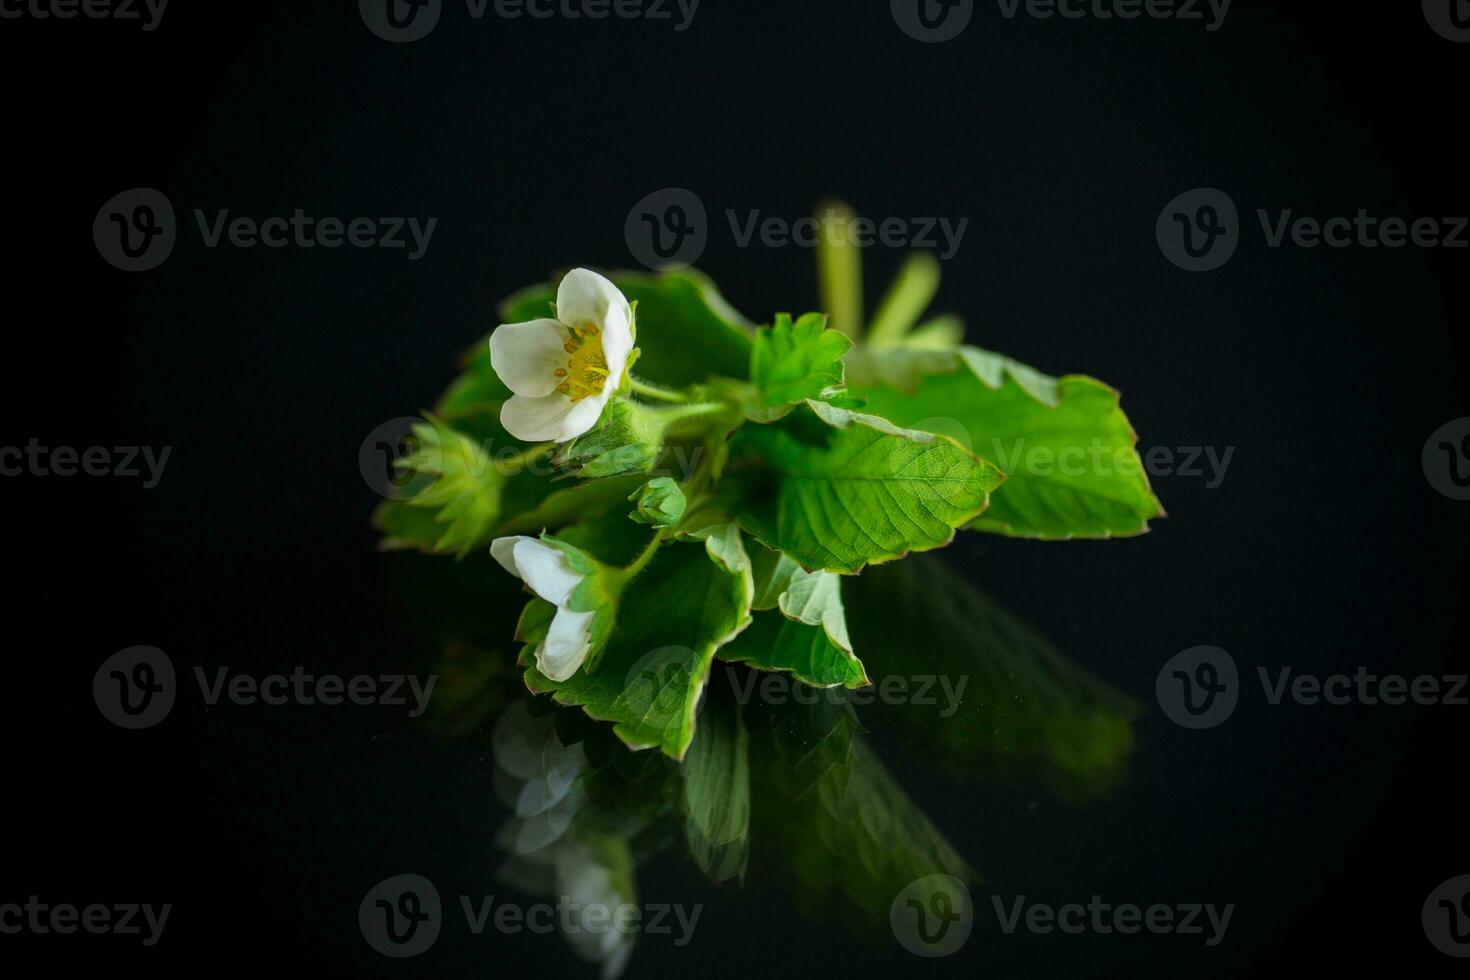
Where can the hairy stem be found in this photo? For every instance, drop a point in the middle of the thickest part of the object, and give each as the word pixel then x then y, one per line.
pixel 653 391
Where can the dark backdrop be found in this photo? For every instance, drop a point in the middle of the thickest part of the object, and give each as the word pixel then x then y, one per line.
pixel 1323 548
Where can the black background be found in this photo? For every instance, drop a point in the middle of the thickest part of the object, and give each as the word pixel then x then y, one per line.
pixel 1324 548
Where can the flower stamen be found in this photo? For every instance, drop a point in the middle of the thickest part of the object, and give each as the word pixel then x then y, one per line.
pixel 586 371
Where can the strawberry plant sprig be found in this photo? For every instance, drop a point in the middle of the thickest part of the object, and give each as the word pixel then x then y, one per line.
pixel 679 488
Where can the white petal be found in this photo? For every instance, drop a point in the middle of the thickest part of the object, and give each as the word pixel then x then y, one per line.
pixel 536 419
pixel 616 962
pixel 527 355
pixel 546 571
pixel 617 343
pixel 545 828
pixel 586 297
pixel 583 416
pixel 555 418
pixel 503 551
pixel 565 647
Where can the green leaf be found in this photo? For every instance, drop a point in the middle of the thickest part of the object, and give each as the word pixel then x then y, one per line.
pixel 460 510
pixel 773 573
pixel 815 598
pixel 1065 445
pixel 686 330
pixel 1008 705
pixel 792 362
pixel 722 542
pixel 853 836
pixel 837 490
pixel 671 619
pixel 716 791
pixel 774 642
pixel 809 638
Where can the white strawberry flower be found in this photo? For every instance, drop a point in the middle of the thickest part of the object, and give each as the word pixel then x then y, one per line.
pixel 549 573
pixel 563 371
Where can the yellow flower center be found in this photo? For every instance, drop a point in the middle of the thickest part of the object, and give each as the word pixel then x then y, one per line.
pixel 586 370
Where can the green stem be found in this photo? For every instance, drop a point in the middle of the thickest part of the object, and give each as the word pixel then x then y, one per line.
pixel 840 269
pixel 908 297
pixel 638 564
pixel 655 392
pixel 518 462
pixel 676 416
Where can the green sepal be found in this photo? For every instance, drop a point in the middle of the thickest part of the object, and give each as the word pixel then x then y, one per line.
pixel 628 438
pixel 658 503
